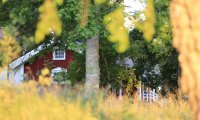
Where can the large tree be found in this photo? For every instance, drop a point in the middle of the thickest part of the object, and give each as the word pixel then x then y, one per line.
pixel 93 22
pixel 92 67
pixel 81 21
pixel 147 56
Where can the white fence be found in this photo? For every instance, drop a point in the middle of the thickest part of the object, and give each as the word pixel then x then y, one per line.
pixel 144 94
pixel 147 94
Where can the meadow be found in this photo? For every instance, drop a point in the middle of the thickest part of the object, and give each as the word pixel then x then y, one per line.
pixel 26 102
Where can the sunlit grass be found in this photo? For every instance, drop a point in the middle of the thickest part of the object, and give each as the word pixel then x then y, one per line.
pixel 25 102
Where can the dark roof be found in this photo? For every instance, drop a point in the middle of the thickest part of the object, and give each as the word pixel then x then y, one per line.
pixel 1 33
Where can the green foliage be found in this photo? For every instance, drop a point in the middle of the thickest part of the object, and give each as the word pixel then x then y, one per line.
pixel 162 43
pixel 129 81
pixel 3 1
pixel 76 72
pixel 159 53
pixel 146 61
pixel 110 70
pixel 61 77
pixel 20 16
pixel 162 46
pixel 100 2
pixel 23 15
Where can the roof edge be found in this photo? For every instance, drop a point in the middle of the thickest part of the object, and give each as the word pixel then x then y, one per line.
pixel 28 55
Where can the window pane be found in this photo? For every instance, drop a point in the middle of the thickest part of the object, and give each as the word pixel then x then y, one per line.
pixel 59 54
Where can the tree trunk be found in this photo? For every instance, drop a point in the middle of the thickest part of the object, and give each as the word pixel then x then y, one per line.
pixel 185 16
pixel 92 67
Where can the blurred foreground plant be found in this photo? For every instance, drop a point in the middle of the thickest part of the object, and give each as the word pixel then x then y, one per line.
pixel 9 50
pixel 49 20
pixel 114 23
pixel 186 31
pixel 24 103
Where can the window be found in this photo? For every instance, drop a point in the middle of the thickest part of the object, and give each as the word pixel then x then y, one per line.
pixel 58 54
pixel 59 75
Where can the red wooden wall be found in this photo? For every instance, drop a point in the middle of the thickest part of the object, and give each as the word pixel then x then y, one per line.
pixel 32 69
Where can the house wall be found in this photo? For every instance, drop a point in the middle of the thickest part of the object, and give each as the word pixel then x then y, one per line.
pixel 3 75
pixel 17 75
pixel 32 70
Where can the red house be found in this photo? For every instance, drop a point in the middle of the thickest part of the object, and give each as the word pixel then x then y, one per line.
pixel 29 65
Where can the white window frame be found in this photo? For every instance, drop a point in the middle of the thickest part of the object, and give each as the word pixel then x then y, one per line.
pixel 57 70
pixel 54 54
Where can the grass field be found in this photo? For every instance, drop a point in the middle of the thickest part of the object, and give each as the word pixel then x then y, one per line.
pixel 26 103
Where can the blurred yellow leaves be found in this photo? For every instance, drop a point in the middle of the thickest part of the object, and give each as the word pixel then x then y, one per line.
pixel 147 27
pixel 49 20
pixel 44 78
pixel 114 23
pixel 59 2
pixel 45 71
pixel 99 2
pixel 84 12
pixel 20 103
pixel 9 50
pixel 186 39
pixel 3 1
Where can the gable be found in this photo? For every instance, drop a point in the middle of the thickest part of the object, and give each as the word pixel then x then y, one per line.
pixel 29 55
pixel 25 58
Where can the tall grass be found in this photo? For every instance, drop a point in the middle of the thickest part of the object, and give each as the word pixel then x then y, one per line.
pixel 25 102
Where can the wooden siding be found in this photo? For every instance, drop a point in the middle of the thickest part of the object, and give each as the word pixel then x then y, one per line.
pixel 32 69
